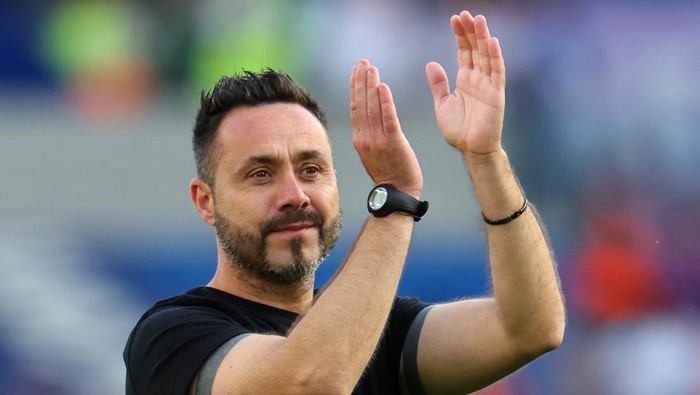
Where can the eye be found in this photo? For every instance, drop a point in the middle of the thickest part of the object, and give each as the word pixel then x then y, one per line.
pixel 260 174
pixel 311 170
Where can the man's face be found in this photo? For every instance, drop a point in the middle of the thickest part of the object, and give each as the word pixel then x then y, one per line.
pixel 276 196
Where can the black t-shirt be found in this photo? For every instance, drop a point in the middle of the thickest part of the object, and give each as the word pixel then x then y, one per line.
pixel 176 336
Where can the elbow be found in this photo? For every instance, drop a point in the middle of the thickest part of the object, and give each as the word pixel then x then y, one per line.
pixel 538 335
pixel 322 382
pixel 330 389
pixel 322 388
pixel 552 339
pixel 313 374
pixel 325 387
pixel 545 339
pixel 554 334
pixel 547 333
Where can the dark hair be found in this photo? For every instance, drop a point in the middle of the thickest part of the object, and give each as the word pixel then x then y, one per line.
pixel 241 90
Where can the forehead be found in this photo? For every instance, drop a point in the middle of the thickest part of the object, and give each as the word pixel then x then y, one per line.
pixel 271 129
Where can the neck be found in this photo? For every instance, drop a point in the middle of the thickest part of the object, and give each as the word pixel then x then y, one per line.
pixel 295 297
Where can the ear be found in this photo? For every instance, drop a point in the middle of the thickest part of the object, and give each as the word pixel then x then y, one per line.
pixel 203 199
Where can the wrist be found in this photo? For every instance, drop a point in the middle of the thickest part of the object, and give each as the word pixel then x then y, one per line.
pixel 414 191
pixel 385 199
pixel 496 186
pixel 476 160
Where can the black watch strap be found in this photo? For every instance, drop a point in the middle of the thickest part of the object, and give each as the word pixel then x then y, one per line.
pixel 384 199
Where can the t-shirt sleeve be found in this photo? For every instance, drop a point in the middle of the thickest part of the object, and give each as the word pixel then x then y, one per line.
pixel 166 349
pixel 402 315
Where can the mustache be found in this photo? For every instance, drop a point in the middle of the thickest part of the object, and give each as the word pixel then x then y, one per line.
pixel 282 220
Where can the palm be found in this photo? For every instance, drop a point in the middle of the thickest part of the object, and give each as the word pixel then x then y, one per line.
pixel 384 150
pixel 471 118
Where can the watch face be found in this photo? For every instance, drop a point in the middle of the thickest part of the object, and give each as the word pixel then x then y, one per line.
pixel 377 198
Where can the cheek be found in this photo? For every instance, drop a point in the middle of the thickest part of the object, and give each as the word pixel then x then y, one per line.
pixel 248 213
pixel 329 202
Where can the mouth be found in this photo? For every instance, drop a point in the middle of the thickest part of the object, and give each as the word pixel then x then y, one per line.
pixel 296 224
pixel 293 229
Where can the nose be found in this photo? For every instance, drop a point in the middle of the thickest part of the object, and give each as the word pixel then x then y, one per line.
pixel 291 194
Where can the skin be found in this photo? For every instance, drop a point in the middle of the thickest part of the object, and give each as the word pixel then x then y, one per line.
pixel 285 167
pixel 469 344
pixel 303 361
pixel 463 345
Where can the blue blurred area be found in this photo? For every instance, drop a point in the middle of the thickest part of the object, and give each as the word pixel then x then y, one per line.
pixel 97 100
pixel 158 273
pixel 20 57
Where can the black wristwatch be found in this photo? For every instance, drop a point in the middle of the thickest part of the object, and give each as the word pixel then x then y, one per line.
pixel 384 199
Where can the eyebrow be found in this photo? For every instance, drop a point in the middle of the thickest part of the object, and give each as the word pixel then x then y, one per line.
pixel 300 156
pixel 307 155
pixel 260 160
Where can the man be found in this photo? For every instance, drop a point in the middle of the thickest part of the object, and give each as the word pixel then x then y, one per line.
pixel 267 184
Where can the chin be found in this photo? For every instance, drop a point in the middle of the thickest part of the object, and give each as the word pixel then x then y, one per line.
pixel 286 259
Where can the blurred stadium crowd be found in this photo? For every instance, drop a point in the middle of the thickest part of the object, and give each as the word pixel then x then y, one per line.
pixel 97 99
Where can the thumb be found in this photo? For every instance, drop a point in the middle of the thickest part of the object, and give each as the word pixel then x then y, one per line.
pixel 437 80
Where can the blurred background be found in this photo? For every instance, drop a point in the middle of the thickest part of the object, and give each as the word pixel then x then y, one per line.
pixel 97 102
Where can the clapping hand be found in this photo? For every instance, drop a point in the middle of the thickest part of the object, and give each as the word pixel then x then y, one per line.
pixel 471 118
pixel 376 132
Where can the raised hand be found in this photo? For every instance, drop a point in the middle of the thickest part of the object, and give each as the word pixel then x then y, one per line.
pixel 471 118
pixel 376 133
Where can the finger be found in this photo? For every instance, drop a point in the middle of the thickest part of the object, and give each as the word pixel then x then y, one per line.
pixel 361 97
pixel 374 109
pixel 467 24
pixel 438 82
pixel 390 119
pixel 498 66
pixel 353 104
pixel 482 38
pixel 464 47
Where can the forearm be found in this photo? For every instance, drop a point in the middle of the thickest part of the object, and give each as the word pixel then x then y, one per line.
pixel 337 336
pixel 525 281
pixel 340 332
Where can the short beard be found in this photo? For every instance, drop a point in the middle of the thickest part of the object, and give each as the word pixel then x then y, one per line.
pixel 248 250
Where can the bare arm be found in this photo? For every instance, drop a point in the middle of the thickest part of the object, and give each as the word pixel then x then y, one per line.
pixel 329 347
pixel 468 344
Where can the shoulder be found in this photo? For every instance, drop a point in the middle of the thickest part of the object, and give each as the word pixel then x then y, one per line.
pixel 405 310
pixel 401 321
pixel 187 327
pixel 178 317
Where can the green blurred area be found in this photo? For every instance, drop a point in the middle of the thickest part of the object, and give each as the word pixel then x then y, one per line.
pixel 215 39
pixel 601 124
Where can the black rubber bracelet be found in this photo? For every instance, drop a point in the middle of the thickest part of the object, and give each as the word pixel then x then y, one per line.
pixel 509 218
